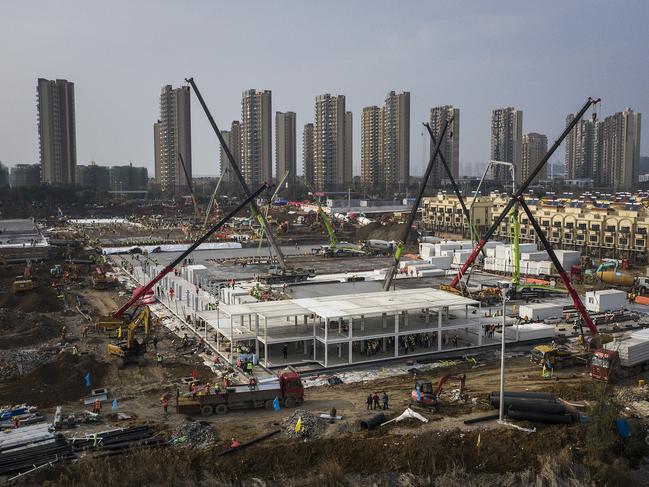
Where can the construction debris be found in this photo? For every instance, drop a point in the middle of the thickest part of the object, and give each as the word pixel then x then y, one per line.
pixel 303 424
pixel 407 414
pixel 197 434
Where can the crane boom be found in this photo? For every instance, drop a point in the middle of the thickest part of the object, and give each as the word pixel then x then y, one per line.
pixel 557 264
pixel 170 267
pixel 496 223
pixel 456 188
pixel 333 241
pixel 216 190
pixel 411 219
pixel 197 215
pixel 235 168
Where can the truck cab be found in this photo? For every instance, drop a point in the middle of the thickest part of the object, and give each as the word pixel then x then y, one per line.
pixel 603 363
pixel 292 388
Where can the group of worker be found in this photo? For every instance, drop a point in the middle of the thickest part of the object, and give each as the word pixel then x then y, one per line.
pixel 373 401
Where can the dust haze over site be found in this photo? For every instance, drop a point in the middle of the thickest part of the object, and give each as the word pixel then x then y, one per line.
pixel 542 59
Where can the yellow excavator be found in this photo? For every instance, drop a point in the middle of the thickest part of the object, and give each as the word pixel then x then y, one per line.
pixel 130 350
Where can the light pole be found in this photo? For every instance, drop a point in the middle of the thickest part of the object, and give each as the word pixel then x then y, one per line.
pixel 504 288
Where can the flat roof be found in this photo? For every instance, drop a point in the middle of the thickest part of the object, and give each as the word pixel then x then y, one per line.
pixel 352 305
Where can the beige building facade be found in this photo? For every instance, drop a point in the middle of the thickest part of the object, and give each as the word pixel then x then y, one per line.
pixel 597 228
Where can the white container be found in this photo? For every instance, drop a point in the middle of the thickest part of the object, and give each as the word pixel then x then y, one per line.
pixel 440 262
pixel 461 256
pixel 426 250
pixel 491 252
pixel 431 240
pixel 605 300
pixel 633 349
pixel 546 268
pixel 445 246
pixel 568 258
pixel 540 311
pixel 432 272
pixel 534 256
pixel 527 247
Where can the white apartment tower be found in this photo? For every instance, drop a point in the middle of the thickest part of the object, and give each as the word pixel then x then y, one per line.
pixel 506 142
pixel 332 144
pixel 535 146
pixel 285 146
pixel 450 147
pixel 256 137
pixel 173 136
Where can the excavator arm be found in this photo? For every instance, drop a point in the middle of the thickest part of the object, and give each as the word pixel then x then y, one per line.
pixel 444 379
pixel 333 241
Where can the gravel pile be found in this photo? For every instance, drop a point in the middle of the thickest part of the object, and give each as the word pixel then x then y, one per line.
pixel 194 435
pixel 311 426
pixel 14 363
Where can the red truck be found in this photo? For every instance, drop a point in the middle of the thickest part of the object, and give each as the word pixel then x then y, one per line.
pixel 287 388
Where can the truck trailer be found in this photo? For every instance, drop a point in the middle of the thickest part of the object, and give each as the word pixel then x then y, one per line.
pixel 287 388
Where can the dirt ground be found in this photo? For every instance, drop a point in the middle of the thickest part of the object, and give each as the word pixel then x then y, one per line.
pixel 340 449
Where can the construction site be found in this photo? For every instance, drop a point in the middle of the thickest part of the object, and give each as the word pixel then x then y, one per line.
pixel 272 342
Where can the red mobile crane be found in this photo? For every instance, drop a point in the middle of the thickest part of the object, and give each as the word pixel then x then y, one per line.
pixel 518 198
pixel 169 268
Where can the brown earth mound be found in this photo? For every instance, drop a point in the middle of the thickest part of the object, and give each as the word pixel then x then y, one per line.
pixel 56 382
pixel 41 299
pixel 21 330
pixel 389 231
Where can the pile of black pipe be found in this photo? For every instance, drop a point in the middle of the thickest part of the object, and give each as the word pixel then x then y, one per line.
pixel 61 449
pixel 25 459
pixel 372 421
pixel 537 407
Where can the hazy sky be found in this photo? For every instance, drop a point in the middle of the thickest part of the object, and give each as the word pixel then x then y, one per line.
pixel 545 58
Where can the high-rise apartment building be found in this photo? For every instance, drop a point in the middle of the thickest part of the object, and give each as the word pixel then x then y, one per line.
pixel 608 152
pixel 621 149
pixel 57 131
pixel 232 139
pixel 450 147
pixel 332 144
pixel 308 153
pixel 535 146
pixel 285 146
pixel 173 136
pixel 584 150
pixel 371 145
pixel 256 137
pixel 396 139
pixel 506 142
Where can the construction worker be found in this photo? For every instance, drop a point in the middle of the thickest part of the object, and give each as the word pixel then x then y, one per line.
pixel 165 404
pixel 75 350
pixel 158 358
pixel 97 408
pixel 63 332
pixel 185 341
pixel 85 331
pixel 249 367
pixel 15 422
pixel 155 342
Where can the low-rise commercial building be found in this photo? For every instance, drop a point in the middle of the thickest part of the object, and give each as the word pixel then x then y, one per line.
pixel 597 227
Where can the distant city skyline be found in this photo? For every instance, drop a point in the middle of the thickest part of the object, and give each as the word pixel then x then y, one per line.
pixel 418 48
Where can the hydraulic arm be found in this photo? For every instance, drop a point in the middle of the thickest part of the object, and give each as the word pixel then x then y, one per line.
pixel 235 168
pixel 562 272
pixel 190 185
pixel 169 268
pixel 520 192
pixel 406 232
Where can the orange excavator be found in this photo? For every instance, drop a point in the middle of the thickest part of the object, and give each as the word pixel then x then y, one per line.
pixel 425 396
